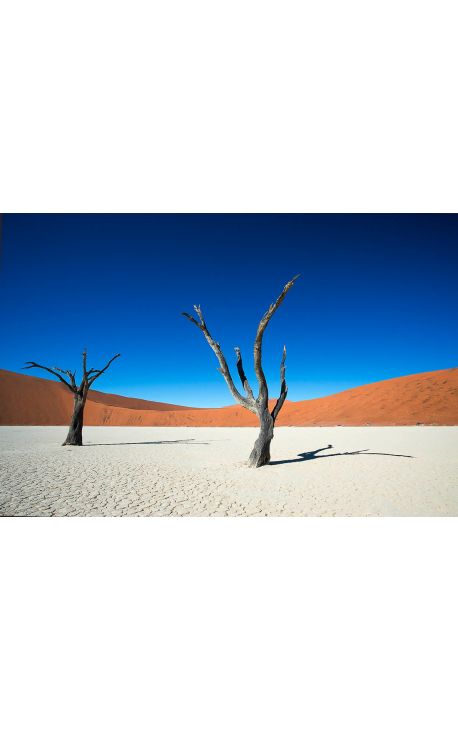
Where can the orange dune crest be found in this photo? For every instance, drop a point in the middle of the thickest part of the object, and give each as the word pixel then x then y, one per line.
pixel 425 398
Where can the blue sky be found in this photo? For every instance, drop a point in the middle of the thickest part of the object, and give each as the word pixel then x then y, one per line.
pixel 377 298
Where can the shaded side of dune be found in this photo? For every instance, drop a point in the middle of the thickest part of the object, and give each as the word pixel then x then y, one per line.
pixel 425 398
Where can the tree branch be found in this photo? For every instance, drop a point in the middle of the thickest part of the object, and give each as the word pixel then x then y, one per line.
pixel 70 375
pixel 99 372
pixel 243 377
pixel 71 386
pixel 223 367
pixel 283 388
pixel 191 319
pixel 263 394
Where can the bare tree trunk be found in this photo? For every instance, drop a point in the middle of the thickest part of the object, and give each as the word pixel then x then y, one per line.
pixel 260 454
pixel 75 431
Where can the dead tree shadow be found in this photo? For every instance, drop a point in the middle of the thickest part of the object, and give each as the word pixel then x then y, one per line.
pixel 191 442
pixel 308 455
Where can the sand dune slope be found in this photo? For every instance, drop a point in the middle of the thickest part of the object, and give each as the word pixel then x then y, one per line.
pixel 425 398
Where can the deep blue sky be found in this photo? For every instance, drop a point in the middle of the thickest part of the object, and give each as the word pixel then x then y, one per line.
pixel 377 298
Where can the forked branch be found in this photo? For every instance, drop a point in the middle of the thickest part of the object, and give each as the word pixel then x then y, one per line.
pixel 98 373
pixel 263 391
pixel 54 371
pixel 89 376
pixel 223 366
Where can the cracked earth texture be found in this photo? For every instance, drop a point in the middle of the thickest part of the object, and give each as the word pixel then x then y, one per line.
pixel 120 471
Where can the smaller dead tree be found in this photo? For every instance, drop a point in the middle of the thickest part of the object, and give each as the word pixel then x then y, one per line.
pixel 79 392
pixel 260 454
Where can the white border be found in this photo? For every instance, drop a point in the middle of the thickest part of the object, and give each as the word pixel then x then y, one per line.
pixel 245 106
pixel 246 623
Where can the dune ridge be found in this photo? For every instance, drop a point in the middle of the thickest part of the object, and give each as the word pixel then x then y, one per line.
pixel 425 398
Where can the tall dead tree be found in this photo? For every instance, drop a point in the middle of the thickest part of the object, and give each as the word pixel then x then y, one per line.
pixel 79 392
pixel 260 454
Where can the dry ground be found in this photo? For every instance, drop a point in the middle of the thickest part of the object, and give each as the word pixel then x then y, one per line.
pixel 391 471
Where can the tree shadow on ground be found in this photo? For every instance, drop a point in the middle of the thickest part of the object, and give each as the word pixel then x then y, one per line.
pixel 308 455
pixel 191 442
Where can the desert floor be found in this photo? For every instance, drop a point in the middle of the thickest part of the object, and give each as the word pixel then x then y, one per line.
pixel 391 471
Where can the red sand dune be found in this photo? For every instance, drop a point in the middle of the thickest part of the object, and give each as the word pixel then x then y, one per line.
pixel 426 398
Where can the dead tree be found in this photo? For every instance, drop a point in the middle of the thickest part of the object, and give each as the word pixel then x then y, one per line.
pixel 79 392
pixel 260 454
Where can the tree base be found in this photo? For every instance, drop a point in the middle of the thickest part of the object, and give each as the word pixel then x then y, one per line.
pixel 260 456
